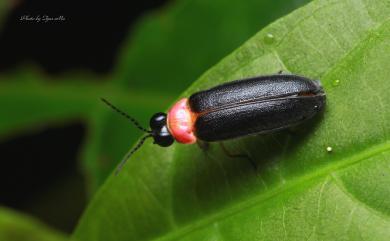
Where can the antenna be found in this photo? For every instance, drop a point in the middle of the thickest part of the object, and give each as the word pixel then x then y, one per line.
pixel 125 115
pixel 127 156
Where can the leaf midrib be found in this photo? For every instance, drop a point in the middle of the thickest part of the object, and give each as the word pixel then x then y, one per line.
pixel 289 186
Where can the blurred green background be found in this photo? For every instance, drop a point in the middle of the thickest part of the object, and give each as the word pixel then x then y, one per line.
pixel 58 142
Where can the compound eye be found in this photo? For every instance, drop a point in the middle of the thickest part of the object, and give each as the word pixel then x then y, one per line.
pixel 163 137
pixel 158 120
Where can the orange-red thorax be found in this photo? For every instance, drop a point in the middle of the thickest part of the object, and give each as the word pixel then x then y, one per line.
pixel 181 122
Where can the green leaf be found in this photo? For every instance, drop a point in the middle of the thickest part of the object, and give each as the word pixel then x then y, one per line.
pixel 171 47
pixel 166 52
pixel 300 190
pixel 17 227
pixel 29 101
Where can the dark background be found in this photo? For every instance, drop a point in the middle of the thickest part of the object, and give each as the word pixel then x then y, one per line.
pixel 88 39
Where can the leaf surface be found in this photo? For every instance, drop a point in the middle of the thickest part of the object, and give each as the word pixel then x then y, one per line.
pixel 147 72
pixel 167 51
pixel 300 190
pixel 17 227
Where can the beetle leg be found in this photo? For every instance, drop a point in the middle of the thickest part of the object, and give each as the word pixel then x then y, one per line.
pixel 292 130
pixel 236 155
pixel 203 145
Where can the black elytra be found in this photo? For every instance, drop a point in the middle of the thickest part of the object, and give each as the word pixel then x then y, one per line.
pixel 255 105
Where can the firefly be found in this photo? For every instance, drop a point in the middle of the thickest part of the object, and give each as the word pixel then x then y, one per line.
pixel 234 109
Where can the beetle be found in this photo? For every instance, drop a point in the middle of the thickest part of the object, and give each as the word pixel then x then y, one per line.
pixel 235 109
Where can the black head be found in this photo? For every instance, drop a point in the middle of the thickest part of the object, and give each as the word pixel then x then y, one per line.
pixel 160 132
